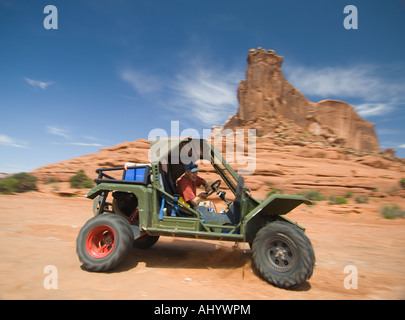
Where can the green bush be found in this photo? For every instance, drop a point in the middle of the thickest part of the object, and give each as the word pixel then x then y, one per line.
pixel 337 200
pixel 20 182
pixel 402 183
pixel 392 212
pixel 50 180
pixel 88 184
pixel 8 185
pixel 26 182
pixel 360 199
pixel 312 195
pixel 80 181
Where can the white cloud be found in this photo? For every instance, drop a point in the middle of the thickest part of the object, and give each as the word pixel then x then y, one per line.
pixel 64 133
pixel 327 82
pixel 84 144
pixel 58 132
pixel 201 91
pixel 10 142
pixel 91 138
pixel 207 94
pixel 140 82
pixel 373 109
pixel 363 83
pixel 38 84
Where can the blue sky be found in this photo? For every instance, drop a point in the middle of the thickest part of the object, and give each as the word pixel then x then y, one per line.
pixel 115 70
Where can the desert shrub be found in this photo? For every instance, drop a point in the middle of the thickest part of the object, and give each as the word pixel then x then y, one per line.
pixel 392 212
pixel 360 199
pixel 50 180
pixel 26 182
pixel 19 182
pixel 402 183
pixel 8 185
pixel 312 195
pixel 88 183
pixel 337 200
pixel 80 180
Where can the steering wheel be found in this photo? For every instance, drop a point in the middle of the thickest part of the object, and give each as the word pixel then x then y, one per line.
pixel 215 187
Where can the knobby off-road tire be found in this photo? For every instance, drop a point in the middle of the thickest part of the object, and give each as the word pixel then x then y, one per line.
pixel 104 242
pixel 283 255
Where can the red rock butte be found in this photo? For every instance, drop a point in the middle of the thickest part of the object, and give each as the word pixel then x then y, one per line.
pixel 300 145
pixel 267 99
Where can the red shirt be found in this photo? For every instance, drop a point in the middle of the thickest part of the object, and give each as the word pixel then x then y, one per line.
pixel 188 188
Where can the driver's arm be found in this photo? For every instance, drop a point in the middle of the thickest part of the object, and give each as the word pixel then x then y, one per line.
pixel 207 187
pixel 196 201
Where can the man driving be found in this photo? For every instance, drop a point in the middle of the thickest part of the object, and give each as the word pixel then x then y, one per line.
pixel 188 184
pixel 187 188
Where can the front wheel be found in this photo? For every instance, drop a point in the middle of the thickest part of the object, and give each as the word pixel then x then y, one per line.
pixel 103 242
pixel 283 255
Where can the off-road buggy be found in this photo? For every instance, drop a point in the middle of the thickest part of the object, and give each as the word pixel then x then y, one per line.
pixel 139 205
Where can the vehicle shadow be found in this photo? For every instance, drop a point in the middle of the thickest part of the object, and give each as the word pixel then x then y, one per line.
pixel 184 254
pixel 181 253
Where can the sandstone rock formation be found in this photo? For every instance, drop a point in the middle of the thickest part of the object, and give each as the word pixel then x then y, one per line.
pixel 299 146
pixel 287 168
pixel 267 99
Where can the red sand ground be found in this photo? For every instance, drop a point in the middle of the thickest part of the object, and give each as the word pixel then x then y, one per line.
pixel 37 230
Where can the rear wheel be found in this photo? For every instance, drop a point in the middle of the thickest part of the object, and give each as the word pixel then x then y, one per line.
pixel 103 242
pixel 283 255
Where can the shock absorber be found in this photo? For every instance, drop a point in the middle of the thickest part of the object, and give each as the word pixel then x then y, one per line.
pixel 134 216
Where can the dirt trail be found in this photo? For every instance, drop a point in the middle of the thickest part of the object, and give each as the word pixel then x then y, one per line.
pixel 39 230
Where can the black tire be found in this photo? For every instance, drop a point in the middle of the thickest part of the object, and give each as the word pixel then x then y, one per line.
pixel 104 242
pixel 283 255
pixel 145 242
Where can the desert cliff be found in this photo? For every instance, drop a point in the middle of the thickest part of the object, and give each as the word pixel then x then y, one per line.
pixel 266 98
pixel 300 145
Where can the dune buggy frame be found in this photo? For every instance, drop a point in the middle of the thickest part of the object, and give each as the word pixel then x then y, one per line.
pixel 144 207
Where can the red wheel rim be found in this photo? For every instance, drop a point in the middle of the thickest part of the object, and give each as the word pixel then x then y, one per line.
pixel 100 242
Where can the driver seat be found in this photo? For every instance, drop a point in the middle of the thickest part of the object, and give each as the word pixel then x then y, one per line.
pixel 235 211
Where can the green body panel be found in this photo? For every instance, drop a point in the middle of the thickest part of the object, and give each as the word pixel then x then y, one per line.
pixel 272 208
pixel 194 228
pixel 144 194
pixel 277 205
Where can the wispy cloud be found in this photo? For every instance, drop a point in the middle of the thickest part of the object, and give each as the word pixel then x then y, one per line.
pixel 85 144
pixel 363 83
pixel 92 141
pixel 10 142
pixel 142 83
pixel 58 132
pixel 374 109
pixel 201 91
pixel 38 84
pixel 208 94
